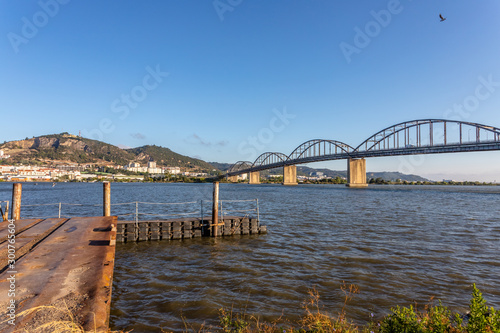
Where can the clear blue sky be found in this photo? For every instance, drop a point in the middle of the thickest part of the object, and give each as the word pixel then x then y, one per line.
pixel 221 71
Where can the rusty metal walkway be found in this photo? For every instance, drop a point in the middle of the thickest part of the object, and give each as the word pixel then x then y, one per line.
pixel 63 268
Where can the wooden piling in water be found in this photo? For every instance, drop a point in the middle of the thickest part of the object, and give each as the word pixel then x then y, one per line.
pixel 106 198
pixel 17 190
pixel 5 215
pixel 215 211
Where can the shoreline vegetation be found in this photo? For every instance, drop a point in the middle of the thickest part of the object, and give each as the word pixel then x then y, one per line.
pixel 433 317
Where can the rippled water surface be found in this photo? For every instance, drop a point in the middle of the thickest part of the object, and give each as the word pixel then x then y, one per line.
pixel 399 244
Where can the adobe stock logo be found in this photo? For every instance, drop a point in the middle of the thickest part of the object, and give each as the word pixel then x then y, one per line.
pixel 30 28
pixel 254 145
pixel 128 102
pixel 372 29
pixel 223 6
pixel 471 103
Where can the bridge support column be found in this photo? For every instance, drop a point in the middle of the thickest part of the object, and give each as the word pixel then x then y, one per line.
pixel 356 173
pixel 233 179
pixel 290 175
pixel 254 177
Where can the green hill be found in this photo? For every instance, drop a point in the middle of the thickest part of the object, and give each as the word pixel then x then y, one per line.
pixel 66 148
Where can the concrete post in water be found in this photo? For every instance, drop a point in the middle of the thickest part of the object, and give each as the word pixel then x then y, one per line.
pixel 254 177
pixel 215 211
pixel 356 173
pixel 290 175
pixel 106 199
pixel 17 190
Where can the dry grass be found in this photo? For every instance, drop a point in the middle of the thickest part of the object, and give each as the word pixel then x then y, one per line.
pixel 67 324
pixel 315 319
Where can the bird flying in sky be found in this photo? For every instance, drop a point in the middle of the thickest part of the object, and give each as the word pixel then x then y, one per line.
pixel 442 18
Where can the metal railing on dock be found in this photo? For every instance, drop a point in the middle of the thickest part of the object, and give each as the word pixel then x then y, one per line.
pixel 161 220
pixel 229 207
pixel 177 209
pixel 59 206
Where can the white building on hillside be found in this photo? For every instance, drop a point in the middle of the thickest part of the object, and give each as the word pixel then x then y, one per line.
pixel 3 155
pixel 135 167
pixel 172 170
pixel 152 169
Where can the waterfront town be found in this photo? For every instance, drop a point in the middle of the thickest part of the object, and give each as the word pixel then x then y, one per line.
pixel 133 171
pixel 89 172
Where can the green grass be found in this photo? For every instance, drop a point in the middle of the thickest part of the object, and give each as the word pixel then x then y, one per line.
pixel 433 318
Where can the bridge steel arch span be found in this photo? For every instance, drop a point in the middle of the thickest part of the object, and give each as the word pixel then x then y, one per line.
pixel 428 136
pixel 424 136
pixel 319 150
pixel 235 170
pixel 270 159
pixel 267 160
pixel 240 165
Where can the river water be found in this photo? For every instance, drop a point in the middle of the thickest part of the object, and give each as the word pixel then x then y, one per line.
pixel 398 244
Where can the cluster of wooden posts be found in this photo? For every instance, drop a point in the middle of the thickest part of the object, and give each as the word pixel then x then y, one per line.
pixel 131 231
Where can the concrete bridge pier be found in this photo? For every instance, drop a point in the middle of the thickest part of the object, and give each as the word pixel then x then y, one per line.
pixel 290 175
pixel 356 173
pixel 233 179
pixel 254 177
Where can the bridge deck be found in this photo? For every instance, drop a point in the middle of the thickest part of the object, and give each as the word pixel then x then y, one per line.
pixel 64 269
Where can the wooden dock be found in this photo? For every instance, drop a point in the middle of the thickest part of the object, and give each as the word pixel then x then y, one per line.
pixel 63 268
pixel 60 270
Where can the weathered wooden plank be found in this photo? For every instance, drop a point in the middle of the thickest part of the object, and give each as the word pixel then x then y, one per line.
pixel 120 228
pixel 187 233
pixel 21 226
pixel 187 225
pixel 29 239
pixel 176 226
pixel 70 269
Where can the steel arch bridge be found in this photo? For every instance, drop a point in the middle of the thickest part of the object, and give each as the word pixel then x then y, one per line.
pixel 424 136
